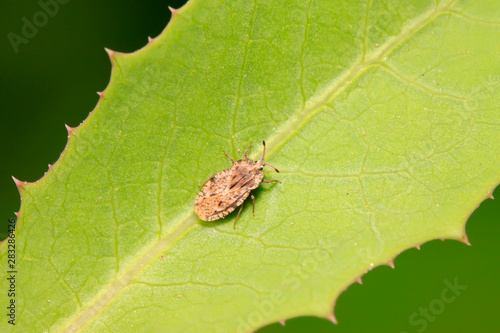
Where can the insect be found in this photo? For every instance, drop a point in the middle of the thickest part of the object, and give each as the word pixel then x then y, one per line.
pixel 228 189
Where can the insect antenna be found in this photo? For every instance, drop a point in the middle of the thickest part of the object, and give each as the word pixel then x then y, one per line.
pixel 232 161
pixel 248 149
pixel 264 154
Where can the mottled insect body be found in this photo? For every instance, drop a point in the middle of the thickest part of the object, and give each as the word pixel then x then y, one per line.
pixel 228 189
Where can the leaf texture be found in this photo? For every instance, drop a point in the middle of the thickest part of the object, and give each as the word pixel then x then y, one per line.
pixel 382 116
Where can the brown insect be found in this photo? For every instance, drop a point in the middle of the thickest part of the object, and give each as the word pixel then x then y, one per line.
pixel 228 189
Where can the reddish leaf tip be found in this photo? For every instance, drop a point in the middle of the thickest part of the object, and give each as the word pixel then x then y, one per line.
pixel 465 240
pixel 101 94
pixel 332 318
pixel 172 10
pixel 110 52
pixel 490 195
pixel 150 40
pixel 17 214
pixel 69 129
pixel 18 182
pixel 391 264
pixel 358 280
pixel 282 322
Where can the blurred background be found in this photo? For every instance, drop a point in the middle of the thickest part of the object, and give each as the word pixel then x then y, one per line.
pixel 52 80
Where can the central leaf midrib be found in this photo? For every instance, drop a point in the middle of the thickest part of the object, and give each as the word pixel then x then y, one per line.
pixel 301 118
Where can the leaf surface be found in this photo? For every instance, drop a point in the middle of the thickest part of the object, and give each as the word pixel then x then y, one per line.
pixel 382 117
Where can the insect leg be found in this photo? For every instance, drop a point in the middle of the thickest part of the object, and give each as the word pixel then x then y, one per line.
pixel 232 161
pixel 237 216
pixel 253 207
pixel 248 149
pixel 271 181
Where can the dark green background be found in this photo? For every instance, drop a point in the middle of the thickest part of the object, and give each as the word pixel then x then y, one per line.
pixel 53 81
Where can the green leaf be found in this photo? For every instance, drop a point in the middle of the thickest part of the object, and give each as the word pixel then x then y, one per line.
pixel 383 118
